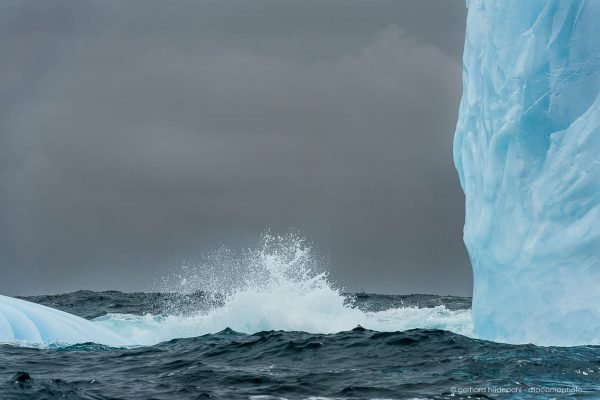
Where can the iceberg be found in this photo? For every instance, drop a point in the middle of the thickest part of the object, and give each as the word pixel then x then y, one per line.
pixel 28 323
pixel 527 150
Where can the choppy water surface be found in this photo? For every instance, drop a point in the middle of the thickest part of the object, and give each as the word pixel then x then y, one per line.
pixel 266 324
pixel 352 364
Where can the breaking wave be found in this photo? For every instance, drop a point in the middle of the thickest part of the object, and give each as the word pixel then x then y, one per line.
pixel 280 285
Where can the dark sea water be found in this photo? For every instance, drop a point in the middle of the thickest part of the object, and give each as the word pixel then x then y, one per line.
pixel 275 364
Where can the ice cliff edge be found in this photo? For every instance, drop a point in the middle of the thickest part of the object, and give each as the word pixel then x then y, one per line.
pixel 527 150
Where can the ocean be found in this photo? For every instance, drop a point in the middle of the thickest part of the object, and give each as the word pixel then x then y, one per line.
pixel 427 361
pixel 269 323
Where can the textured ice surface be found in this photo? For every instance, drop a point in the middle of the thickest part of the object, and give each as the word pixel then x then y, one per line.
pixel 29 323
pixel 527 149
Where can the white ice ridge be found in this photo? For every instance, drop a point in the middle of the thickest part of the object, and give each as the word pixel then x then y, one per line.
pixel 527 149
pixel 29 323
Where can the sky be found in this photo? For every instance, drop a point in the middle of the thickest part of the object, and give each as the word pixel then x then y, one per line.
pixel 138 135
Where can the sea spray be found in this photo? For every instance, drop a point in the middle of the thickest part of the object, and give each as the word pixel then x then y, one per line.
pixel 279 285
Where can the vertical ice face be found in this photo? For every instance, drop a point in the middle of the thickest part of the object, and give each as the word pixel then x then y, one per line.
pixel 527 149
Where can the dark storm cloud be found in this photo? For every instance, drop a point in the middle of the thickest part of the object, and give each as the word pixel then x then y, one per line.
pixel 137 134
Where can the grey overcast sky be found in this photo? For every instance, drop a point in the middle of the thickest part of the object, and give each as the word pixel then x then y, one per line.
pixel 136 134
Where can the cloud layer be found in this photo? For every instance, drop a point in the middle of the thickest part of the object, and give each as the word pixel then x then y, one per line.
pixel 135 135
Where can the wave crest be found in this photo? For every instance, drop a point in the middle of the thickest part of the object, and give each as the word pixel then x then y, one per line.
pixel 277 286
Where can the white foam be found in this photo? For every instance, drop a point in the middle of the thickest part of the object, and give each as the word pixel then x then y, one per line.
pixel 152 329
pixel 276 288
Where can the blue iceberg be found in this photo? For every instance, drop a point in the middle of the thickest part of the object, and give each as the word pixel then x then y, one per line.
pixel 28 323
pixel 527 150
